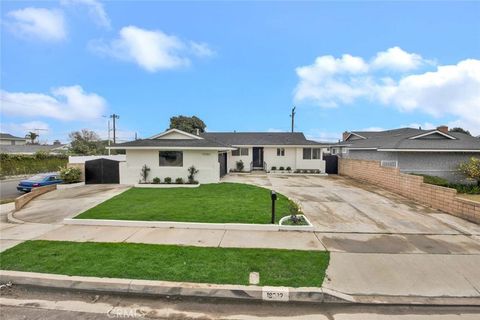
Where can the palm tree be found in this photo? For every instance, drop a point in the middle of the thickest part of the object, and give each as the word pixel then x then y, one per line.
pixel 32 136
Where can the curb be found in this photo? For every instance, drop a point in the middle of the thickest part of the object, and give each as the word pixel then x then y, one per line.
pixel 162 288
pixel 205 290
pixel 187 225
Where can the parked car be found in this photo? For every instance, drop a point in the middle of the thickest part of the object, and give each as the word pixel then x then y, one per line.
pixel 39 180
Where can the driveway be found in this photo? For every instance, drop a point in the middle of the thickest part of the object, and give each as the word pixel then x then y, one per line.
pixel 336 204
pixel 57 205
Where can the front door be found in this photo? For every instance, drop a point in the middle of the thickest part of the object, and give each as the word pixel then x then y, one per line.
pixel 257 157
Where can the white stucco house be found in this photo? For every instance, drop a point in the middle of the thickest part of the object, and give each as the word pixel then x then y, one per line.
pixel 214 154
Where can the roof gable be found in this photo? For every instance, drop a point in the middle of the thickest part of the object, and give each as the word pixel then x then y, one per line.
pixel 432 135
pixel 175 134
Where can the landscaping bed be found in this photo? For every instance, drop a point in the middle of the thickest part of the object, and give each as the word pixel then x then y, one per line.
pixel 209 203
pixel 461 188
pixel 292 268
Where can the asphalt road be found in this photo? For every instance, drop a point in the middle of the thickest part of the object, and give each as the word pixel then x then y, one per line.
pixel 8 189
pixel 36 303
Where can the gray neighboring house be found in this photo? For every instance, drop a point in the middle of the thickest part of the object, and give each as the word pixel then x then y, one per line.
pixel 33 148
pixel 6 139
pixel 435 152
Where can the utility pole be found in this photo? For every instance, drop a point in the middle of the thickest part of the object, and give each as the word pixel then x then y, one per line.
pixel 293 117
pixel 114 117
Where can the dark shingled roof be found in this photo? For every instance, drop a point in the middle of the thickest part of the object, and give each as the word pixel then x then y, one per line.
pixel 187 143
pixel 258 138
pixel 400 139
pixel 29 148
pixel 9 137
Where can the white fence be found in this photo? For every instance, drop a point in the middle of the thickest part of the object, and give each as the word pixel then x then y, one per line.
pixel 389 163
pixel 82 159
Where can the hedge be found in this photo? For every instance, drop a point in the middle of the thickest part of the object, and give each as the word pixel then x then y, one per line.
pixel 15 164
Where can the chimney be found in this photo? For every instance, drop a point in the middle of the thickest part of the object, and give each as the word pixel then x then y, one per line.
pixel 345 135
pixel 443 129
pixel 197 131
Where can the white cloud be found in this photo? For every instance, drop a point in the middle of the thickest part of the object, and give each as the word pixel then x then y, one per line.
pixel 397 59
pixel 446 91
pixel 37 23
pixel 95 9
pixel 151 50
pixel 65 103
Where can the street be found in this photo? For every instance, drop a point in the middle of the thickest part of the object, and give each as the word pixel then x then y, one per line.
pixel 8 189
pixel 37 303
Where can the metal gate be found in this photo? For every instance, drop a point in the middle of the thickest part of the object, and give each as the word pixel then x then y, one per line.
pixel 331 164
pixel 101 171
pixel 222 160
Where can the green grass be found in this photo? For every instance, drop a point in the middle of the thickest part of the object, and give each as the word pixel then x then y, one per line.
pixel 211 203
pixel 169 263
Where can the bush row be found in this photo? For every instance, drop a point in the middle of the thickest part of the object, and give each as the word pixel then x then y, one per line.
pixel 461 188
pixel 15 164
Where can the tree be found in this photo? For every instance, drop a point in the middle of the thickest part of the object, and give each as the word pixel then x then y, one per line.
pixel 461 130
pixel 187 124
pixel 32 136
pixel 471 169
pixel 86 142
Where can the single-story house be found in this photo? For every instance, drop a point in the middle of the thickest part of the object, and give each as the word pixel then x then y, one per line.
pixel 436 152
pixel 214 154
pixel 6 139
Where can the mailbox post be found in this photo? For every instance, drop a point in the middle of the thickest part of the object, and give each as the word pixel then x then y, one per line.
pixel 273 196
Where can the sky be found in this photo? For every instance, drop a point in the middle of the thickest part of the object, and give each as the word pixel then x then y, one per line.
pixel 66 65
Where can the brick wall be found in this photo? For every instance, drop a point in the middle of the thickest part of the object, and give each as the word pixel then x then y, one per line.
pixel 21 201
pixel 410 186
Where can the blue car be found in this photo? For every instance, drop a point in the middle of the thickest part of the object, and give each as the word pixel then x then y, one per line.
pixel 39 180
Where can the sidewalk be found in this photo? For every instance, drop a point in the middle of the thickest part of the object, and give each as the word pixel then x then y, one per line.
pixel 392 272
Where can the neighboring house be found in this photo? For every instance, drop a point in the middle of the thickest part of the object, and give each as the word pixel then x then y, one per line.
pixel 6 139
pixel 32 149
pixel 214 154
pixel 435 152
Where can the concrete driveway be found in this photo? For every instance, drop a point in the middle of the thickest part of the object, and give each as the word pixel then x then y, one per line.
pixel 339 205
pixel 57 205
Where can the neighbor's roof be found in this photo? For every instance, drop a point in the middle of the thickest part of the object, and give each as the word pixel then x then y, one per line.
pixel 405 139
pixel 259 138
pixel 8 136
pixel 29 148
pixel 171 143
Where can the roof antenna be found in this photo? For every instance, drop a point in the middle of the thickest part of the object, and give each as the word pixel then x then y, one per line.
pixel 419 127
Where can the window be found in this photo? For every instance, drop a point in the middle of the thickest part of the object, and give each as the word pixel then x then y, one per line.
pixel 311 153
pixel 280 152
pixel 171 158
pixel 334 151
pixel 240 152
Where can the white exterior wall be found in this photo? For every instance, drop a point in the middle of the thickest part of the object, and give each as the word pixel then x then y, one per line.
pixel 82 159
pixel 271 158
pixel 232 160
pixel 309 163
pixel 206 162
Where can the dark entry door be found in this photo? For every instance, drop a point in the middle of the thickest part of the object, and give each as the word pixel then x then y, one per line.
pixel 222 160
pixel 331 164
pixel 257 157
pixel 101 171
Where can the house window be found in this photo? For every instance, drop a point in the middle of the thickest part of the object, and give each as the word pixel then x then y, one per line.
pixel 240 152
pixel 334 151
pixel 171 158
pixel 280 152
pixel 311 153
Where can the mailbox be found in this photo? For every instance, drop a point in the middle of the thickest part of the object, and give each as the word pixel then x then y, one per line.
pixel 273 196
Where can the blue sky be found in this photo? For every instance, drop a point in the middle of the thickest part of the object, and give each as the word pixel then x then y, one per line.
pixel 239 66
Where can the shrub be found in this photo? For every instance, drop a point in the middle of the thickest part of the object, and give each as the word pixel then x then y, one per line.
pixel 434 180
pixel 274 168
pixel 70 175
pixel 179 181
pixel 167 180
pixel 144 172
pixel 15 164
pixel 156 180
pixel 289 169
pixel 465 188
pixel 297 171
pixel 192 171
pixel 281 168
pixel 41 155
pixel 471 169
pixel 239 165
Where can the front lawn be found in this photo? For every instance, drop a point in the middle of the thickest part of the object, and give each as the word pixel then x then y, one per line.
pixel 211 203
pixel 169 263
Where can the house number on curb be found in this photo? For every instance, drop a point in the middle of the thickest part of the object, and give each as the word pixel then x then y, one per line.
pixel 275 294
